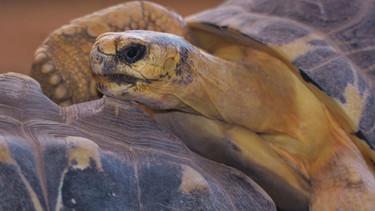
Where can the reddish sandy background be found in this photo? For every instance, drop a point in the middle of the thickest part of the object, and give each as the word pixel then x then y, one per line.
pixel 25 24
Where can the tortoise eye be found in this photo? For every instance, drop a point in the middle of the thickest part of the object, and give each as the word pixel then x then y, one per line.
pixel 132 53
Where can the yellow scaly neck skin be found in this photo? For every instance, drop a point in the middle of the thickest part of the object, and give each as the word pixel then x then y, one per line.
pixel 265 96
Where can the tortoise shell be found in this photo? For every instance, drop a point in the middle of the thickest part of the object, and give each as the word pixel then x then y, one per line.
pixel 104 155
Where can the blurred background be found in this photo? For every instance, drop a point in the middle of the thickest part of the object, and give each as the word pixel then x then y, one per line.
pixel 24 24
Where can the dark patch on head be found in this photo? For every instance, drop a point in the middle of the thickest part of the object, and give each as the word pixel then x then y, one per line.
pixel 148 81
pixel 121 79
pixel 183 68
pixel 125 79
pixel 109 66
pixel 184 54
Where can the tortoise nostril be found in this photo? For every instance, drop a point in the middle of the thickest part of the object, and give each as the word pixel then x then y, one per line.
pixel 95 56
pixel 97 59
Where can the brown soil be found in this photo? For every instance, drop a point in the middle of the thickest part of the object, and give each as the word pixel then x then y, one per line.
pixel 25 24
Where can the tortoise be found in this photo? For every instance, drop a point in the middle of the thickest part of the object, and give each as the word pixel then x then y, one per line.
pixel 105 155
pixel 283 91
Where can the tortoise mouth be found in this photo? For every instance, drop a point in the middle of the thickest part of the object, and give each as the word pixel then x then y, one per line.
pixel 121 79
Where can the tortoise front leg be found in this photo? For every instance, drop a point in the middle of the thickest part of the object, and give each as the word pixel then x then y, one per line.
pixel 343 178
pixel 61 63
pixel 242 149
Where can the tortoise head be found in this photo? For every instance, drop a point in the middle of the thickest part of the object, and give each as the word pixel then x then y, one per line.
pixel 143 66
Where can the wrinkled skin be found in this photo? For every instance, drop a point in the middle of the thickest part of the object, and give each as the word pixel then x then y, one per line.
pixel 257 93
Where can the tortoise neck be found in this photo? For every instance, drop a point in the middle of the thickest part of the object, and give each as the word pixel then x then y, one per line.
pixel 257 93
pixel 265 96
pixel 260 93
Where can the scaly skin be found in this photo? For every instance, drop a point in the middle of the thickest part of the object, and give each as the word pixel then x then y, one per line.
pixel 61 63
pixel 256 92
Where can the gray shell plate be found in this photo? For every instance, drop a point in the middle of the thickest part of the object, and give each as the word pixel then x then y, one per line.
pixel 104 155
